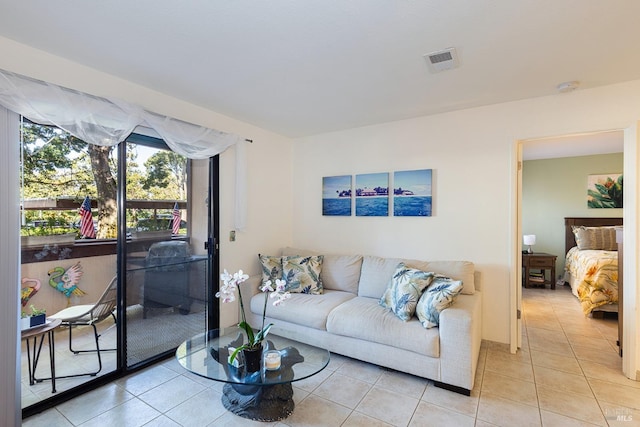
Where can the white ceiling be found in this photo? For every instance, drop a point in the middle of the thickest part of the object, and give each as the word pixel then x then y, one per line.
pixel 311 66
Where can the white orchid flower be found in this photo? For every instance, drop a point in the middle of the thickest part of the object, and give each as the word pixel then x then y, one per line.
pixel 226 277
pixel 280 285
pixel 227 293
pixel 226 296
pixel 267 287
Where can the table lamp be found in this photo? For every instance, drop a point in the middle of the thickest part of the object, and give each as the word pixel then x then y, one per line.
pixel 530 240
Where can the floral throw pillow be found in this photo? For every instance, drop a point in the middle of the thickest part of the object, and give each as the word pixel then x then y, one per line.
pixel 404 290
pixel 440 294
pixel 271 268
pixel 302 274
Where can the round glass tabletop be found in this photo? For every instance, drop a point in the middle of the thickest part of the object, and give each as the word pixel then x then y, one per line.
pixel 208 354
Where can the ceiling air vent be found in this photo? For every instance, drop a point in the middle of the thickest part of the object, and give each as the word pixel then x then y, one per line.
pixel 442 60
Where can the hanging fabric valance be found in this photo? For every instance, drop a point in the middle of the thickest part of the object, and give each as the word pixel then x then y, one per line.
pixel 107 122
pixel 95 120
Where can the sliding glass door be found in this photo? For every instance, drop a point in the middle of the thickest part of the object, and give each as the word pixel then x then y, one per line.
pixel 125 216
pixel 166 270
pixel 69 237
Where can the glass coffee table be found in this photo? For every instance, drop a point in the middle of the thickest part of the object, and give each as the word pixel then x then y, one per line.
pixel 264 395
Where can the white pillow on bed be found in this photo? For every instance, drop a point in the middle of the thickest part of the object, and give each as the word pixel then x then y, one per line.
pixel 598 238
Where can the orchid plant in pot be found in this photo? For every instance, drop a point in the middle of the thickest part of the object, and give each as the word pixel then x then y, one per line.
pixel 227 293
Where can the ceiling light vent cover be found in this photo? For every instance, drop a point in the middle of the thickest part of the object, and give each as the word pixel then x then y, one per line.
pixel 442 60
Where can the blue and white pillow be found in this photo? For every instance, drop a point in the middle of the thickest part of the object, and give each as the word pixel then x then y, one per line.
pixel 271 268
pixel 302 274
pixel 404 290
pixel 441 293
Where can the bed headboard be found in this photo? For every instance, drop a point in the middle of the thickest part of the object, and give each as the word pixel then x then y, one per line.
pixel 569 237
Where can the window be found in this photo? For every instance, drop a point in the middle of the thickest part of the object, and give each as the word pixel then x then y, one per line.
pixel 59 172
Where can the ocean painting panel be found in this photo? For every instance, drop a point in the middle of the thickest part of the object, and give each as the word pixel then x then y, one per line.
pixel 412 193
pixel 372 194
pixel 336 195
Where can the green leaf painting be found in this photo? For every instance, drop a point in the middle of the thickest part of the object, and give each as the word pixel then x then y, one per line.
pixel 604 191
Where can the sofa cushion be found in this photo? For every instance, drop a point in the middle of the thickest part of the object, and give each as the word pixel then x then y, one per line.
pixel 440 294
pixel 302 274
pixel 339 272
pixel 363 318
pixel 271 268
pixel 375 275
pixel 404 291
pixel 457 270
pixel 302 309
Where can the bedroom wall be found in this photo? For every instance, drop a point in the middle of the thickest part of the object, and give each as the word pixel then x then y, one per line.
pixel 473 156
pixel 556 188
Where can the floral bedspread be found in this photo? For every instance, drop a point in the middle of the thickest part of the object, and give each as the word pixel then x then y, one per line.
pixel 595 277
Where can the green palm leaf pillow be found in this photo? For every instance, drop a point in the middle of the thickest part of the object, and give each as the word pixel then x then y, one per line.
pixel 302 274
pixel 404 290
pixel 440 294
pixel 271 268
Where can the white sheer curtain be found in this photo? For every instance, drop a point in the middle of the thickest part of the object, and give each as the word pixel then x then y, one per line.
pixel 195 142
pixel 92 119
pixel 107 122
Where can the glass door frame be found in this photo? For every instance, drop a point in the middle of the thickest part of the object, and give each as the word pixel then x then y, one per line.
pixel 213 246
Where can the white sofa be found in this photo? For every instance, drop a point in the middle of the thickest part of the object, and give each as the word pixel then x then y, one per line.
pixel 347 319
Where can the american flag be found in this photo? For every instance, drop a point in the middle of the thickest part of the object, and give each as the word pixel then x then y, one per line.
pixel 86 220
pixel 175 226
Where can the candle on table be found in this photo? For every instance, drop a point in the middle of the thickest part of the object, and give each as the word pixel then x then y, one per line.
pixel 272 360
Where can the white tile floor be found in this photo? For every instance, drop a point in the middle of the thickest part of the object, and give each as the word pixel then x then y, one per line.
pixel 568 373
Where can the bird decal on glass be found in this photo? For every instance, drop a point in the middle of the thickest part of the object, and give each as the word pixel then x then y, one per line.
pixel 27 292
pixel 66 281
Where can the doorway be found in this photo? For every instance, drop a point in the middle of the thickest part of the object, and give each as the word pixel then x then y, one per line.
pixel 553 185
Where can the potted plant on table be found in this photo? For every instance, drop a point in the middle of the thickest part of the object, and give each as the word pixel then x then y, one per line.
pixel 37 317
pixel 252 349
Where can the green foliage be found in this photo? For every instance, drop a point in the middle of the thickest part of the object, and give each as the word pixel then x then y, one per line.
pixel 34 311
pixel 606 195
pixel 55 163
pixel 166 175
pixel 58 165
pixel 48 224
pixel 37 311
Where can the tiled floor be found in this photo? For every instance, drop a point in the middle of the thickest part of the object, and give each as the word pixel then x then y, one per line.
pixel 66 363
pixel 568 373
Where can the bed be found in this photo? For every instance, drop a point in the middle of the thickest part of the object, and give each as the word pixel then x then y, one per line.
pixel 591 262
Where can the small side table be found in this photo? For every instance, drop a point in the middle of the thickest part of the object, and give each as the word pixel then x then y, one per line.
pixel 539 261
pixel 33 354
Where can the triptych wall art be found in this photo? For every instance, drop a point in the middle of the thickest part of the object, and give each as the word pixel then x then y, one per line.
pixel 411 194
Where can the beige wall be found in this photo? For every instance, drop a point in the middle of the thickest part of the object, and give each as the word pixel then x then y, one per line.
pixel 473 155
pixel 556 188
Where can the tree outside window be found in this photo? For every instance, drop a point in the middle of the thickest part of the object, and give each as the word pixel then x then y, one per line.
pixel 56 165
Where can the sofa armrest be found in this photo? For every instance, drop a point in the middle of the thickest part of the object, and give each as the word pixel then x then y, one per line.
pixel 460 338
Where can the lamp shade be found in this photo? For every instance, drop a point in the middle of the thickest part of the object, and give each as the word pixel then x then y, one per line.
pixel 529 239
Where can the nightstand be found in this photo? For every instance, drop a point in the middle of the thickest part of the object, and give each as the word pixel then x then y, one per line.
pixel 535 267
